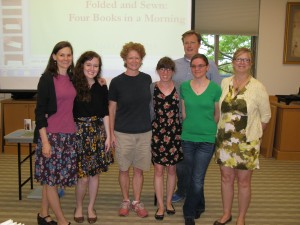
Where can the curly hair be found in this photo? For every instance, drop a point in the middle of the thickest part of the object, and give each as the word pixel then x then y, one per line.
pixel 139 48
pixel 52 65
pixel 80 82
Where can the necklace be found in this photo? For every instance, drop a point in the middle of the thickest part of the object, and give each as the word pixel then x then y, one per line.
pixel 239 84
pixel 197 87
pixel 90 83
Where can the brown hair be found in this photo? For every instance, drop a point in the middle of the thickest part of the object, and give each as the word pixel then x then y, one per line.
pixel 52 65
pixel 199 56
pixel 80 82
pixel 191 32
pixel 166 62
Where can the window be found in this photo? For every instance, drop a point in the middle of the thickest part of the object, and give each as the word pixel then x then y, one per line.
pixel 220 48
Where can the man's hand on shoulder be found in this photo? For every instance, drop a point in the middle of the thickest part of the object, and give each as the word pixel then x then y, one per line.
pixel 101 81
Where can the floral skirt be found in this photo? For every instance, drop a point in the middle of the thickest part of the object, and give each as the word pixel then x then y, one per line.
pixel 61 168
pixel 91 155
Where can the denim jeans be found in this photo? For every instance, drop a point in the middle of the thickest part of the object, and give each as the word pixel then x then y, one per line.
pixel 197 156
pixel 181 181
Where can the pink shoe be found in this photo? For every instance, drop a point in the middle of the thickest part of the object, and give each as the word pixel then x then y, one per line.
pixel 139 209
pixel 124 208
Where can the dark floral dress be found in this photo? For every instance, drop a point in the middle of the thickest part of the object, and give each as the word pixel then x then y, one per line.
pixel 91 155
pixel 166 129
pixel 61 168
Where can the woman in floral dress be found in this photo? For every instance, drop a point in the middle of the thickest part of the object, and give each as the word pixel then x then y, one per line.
pixel 93 137
pixel 245 112
pixel 55 159
pixel 166 130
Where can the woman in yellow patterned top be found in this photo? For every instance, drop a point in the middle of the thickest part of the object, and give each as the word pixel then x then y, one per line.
pixel 245 112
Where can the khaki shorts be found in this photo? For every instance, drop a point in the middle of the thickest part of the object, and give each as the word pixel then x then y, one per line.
pixel 133 149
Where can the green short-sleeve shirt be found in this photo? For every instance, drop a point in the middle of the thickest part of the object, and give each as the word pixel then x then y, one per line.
pixel 199 124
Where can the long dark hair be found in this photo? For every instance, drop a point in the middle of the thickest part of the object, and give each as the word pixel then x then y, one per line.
pixel 52 65
pixel 80 82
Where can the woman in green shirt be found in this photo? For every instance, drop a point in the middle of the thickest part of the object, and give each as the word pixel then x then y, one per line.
pixel 200 112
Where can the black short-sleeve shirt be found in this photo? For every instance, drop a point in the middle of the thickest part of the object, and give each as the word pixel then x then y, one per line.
pixel 132 95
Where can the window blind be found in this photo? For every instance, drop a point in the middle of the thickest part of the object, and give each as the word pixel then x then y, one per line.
pixel 232 17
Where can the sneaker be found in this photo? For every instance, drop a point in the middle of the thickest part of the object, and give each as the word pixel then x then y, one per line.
pixel 176 198
pixel 139 209
pixel 124 208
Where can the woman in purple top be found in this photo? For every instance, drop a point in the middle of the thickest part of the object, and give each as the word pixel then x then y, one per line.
pixel 55 161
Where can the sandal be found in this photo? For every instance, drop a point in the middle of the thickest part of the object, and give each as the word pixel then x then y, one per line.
pixel 43 221
pixel 93 219
pixel 79 219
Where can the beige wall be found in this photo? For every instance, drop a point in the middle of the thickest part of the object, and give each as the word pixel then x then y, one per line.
pixel 278 78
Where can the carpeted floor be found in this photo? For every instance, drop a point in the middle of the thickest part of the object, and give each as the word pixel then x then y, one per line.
pixel 275 197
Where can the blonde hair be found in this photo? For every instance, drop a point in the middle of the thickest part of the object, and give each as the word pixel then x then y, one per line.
pixel 243 50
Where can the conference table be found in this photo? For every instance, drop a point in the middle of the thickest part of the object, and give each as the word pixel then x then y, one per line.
pixel 22 137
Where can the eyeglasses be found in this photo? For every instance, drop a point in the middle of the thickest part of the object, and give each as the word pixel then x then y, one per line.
pixel 165 70
pixel 245 60
pixel 200 66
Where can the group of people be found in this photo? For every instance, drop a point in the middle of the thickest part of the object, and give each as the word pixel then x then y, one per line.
pixel 176 123
pixel 72 132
